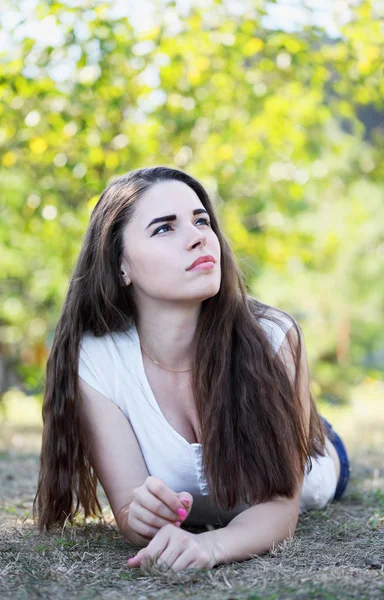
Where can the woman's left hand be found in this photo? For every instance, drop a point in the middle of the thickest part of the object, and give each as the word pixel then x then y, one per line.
pixel 177 548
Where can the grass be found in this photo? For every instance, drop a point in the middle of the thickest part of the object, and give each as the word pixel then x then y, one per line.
pixel 337 552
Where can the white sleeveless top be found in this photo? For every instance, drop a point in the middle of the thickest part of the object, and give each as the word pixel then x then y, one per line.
pixel 113 365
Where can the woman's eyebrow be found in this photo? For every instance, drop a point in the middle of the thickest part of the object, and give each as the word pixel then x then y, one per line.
pixel 197 211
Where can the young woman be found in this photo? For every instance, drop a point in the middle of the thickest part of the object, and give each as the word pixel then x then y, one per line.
pixel 184 396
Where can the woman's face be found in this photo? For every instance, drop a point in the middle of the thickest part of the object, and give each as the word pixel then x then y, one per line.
pixel 157 255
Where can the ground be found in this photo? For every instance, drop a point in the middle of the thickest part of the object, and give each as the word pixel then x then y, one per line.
pixel 337 552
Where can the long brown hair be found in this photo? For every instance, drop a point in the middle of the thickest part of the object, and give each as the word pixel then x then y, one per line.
pixel 243 393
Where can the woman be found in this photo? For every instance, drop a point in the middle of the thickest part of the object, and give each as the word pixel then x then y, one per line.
pixel 184 396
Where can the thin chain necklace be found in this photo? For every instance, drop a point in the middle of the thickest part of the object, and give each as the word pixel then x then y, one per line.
pixel 161 366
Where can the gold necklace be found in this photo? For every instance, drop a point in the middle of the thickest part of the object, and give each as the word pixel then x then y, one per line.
pixel 161 366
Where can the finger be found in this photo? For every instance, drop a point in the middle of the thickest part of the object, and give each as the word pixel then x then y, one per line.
pixel 159 489
pixel 187 501
pixel 155 505
pixel 187 560
pixel 157 545
pixel 144 529
pixel 172 553
pixel 150 518
pixel 135 561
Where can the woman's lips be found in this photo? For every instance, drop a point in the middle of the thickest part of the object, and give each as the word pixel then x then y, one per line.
pixel 201 259
pixel 205 266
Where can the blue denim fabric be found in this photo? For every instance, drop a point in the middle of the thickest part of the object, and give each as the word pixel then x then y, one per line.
pixel 345 467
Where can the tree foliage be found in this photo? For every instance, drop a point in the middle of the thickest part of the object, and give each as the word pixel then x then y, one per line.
pixel 268 120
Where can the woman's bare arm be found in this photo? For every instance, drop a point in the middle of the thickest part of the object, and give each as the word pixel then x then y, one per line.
pixel 115 455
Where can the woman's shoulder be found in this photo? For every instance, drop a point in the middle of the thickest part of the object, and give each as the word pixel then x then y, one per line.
pixel 276 324
pixel 104 359
pixel 109 343
pixel 276 316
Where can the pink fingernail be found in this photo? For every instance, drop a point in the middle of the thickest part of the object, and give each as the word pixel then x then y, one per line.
pixel 186 501
pixel 182 512
pixel 177 523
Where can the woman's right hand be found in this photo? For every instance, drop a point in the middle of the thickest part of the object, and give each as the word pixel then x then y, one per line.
pixel 154 505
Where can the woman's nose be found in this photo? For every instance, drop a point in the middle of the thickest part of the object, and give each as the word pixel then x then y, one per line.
pixel 199 238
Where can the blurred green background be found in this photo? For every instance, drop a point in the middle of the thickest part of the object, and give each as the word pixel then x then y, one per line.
pixel 283 123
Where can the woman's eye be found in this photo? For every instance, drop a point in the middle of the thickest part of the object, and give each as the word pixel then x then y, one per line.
pixel 204 219
pixel 158 230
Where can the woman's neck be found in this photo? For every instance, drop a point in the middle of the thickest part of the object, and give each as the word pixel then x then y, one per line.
pixel 168 338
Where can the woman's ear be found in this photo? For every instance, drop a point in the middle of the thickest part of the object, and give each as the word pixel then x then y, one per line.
pixel 124 278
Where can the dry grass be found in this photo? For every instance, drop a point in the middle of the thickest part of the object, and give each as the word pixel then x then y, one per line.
pixel 337 552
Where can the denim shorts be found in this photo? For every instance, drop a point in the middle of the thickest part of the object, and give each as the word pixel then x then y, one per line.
pixel 345 467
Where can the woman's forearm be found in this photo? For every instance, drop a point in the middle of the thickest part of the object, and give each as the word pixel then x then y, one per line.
pixel 130 535
pixel 254 530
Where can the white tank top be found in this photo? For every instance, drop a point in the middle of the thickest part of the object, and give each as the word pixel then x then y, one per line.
pixel 113 365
